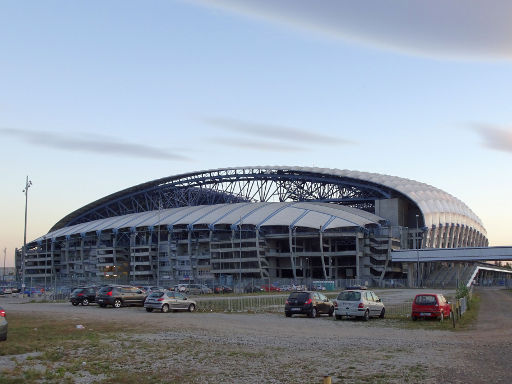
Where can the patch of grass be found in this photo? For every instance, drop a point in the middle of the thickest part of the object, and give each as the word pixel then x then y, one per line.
pixel 28 333
pixel 11 380
pixel 469 317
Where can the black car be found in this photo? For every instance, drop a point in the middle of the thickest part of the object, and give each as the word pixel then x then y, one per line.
pixel 253 289
pixel 83 295
pixel 308 303
pixel 120 295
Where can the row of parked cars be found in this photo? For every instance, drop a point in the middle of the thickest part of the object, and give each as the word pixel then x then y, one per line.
pixel 358 302
pixel 118 296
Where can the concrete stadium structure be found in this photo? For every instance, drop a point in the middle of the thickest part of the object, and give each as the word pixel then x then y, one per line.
pixel 251 223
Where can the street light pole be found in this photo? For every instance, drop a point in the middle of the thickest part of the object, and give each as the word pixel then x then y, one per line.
pixel 3 272
pixel 417 254
pixel 28 183
pixel 240 272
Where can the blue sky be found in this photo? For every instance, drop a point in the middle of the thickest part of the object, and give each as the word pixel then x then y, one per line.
pixel 98 96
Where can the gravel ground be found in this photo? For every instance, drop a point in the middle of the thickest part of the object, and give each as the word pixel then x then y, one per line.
pixel 269 348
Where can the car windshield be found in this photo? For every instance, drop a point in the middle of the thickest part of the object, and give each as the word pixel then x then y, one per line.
pixel 426 300
pixel 299 295
pixel 156 294
pixel 105 289
pixel 349 296
pixel 78 290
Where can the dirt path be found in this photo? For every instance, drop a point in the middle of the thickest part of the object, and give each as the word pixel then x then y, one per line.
pixel 486 353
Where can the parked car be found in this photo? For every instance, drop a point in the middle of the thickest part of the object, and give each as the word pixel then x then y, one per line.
pixel 120 295
pixel 167 301
pixel 149 290
pixel 308 303
pixel 253 289
pixel 431 306
pixel 222 289
pixel 270 288
pixel 180 288
pixel 83 295
pixel 359 303
pixel 198 289
pixel 3 325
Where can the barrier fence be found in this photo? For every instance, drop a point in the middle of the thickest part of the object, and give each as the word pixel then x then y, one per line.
pixel 273 304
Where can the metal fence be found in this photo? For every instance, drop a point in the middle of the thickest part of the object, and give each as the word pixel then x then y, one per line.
pixel 261 303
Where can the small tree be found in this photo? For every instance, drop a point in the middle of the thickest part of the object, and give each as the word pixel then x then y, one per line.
pixel 462 291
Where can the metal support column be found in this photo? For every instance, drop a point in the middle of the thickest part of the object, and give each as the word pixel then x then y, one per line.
pixel 292 253
pixel 322 252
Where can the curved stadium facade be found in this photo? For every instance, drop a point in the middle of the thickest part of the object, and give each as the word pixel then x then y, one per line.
pixel 252 223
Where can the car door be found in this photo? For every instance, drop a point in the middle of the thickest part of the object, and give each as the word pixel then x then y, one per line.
pixel 370 302
pixel 444 305
pixel 173 301
pixel 126 296
pixel 378 304
pixel 180 301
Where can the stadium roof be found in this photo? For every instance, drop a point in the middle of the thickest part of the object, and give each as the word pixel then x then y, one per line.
pixel 319 216
pixel 438 208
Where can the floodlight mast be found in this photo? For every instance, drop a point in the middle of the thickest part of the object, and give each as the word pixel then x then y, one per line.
pixel 28 184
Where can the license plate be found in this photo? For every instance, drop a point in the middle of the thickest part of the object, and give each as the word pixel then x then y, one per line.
pixel 295 309
pixel 425 314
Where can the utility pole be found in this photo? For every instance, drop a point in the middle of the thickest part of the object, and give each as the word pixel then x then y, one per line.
pixel 3 273
pixel 240 277
pixel 417 254
pixel 28 183
pixel 158 243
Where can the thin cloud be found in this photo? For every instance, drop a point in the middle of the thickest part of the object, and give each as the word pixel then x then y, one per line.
pixel 87 143
pixel 275 132
pixel 437 28
pixel 495 137
pixel 257 145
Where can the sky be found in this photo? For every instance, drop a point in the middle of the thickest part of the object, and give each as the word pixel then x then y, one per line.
pixel 99 96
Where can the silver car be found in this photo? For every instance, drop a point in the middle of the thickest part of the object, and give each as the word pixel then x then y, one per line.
pixel 358 303
pixel 167 301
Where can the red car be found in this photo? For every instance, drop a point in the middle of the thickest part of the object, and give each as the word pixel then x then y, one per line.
pixel 431 306
pixel 271 288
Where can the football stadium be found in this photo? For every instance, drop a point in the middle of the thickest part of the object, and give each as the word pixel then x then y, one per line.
pixel 245 224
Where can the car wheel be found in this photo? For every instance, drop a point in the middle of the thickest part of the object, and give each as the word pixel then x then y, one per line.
pixel 149 309
pixel 117 303
pixel 338 317
pixel 312 314
pixel 191 308
pixel 331 311
pixel 366 316
pixel 165 308
pixel 382 313
pixel 287 314
pixel 85 302
pixel 74 303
